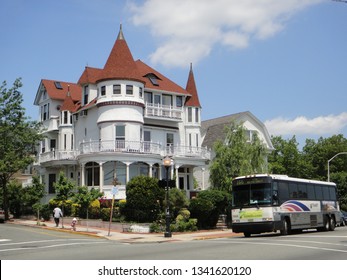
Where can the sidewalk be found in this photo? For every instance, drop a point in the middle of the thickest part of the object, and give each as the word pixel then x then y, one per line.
pixel 126 237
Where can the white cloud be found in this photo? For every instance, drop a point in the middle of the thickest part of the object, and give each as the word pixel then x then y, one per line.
pixel 319 126
pixel 188 29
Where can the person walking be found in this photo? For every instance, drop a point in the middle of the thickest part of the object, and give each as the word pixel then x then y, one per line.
pixel 57 213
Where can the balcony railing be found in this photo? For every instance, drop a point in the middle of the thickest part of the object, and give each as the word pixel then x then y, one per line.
pixel 136 147
pixel 163 111
pixel 120 146
pixel 142 147
pixel 57 155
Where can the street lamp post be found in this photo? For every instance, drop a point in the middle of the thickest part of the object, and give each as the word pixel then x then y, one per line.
pixel 167 163
pixel 342 153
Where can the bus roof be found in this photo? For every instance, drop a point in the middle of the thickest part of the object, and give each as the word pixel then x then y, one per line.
pixel 284 178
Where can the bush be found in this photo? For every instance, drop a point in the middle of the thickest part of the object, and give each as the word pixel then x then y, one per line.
pixel 94 209
pixel 144 199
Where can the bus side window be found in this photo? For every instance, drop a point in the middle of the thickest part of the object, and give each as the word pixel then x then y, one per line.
pixel 283 192
pixel 275 193
pixel 332 192
pixel 293 190
pixel 326 194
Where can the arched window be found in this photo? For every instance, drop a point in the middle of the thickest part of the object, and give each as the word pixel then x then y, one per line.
pixel 92 174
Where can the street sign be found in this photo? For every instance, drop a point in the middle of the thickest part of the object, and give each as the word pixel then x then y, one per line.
pixel 114 190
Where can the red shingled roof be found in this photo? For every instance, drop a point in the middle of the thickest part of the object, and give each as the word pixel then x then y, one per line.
pixel 90 75
pixel 191 88
pixel 60 94
pixel 164 83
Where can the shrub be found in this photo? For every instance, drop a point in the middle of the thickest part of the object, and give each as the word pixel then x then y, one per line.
pixel 94 209
pixel 144 198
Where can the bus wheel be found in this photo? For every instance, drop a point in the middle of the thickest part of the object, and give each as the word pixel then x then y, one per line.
pixel 247 234
pixel 285 227
pixel 332 224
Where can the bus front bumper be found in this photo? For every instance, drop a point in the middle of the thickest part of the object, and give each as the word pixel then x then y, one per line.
pixel 257 227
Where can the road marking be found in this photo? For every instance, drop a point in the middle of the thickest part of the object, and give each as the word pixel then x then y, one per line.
pixel 51 246
pixel 5 240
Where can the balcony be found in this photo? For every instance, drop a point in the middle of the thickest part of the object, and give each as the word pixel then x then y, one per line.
pixel 56 155
pixel 120 147
pixel 142 147
pixel 163 112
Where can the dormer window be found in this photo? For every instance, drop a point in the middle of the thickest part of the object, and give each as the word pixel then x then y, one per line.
pixel 153 78
pixel 58 85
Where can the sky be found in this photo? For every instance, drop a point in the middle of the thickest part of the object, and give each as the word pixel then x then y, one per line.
pixel 285 61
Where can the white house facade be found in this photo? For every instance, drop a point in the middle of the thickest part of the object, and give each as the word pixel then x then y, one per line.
pixel 119 122
pixel 214 129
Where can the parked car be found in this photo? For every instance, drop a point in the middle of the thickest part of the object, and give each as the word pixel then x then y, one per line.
pixel 2 216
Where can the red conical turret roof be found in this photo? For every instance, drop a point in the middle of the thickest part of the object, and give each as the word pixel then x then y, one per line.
pixel 120 63
pixel 192 101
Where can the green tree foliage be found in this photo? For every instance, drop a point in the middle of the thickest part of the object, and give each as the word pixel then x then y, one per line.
pixel 32 195
pixel 236 156
pixel 178 200
pixel 64 190
pixel 18 136
pixel 312 161
pixel 83 197
pixel 208 205
pixel 144 199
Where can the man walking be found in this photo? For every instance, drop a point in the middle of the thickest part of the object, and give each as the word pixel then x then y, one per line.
pixel 57 214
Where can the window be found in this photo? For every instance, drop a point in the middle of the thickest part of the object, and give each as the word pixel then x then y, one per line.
pixel 58 85
pixel 103 90
pixel 148 97
pixel 179 101
pixel 45 112
pixel 147 140
pixel 140 92
pixel 120 136
pixel 43 146
pixel 196 115
pixel 129 90
pixel 51 181
pixel 71 141
pixel 65 142
pixel 52 144
pixel 92 174
pixel 157 99
pixel 293 190
pixel 154 79
pixel 65 117
pixel 117 89
pixel 167 100
pixel 170 142
pixel 189 114
pixel 85 95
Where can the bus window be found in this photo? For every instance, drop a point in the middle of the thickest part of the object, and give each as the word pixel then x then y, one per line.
pixel 293 190
pixel 302 190
pixel 319 192
pixel 283 192
pixel 326 195
pixel 275 193
pixel 310 192
pixel 332 193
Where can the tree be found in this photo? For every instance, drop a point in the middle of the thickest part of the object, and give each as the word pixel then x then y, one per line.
pixel 83 197
pixel 144 199
pixel 32 194
pixel 18 137
pixel 236 156
pixel 64 190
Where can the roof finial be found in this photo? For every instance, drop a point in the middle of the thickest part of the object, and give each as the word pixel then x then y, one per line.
pixel 191 66
pixel 120 34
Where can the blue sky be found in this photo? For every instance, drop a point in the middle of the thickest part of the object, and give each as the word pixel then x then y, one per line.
pixel 285 61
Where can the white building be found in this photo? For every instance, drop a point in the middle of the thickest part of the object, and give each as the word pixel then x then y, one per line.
pixel 214 129
pixel 119 122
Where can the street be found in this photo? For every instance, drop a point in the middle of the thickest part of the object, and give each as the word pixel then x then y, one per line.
pixel 28 243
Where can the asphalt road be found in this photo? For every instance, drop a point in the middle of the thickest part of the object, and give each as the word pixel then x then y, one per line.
pixel 26 243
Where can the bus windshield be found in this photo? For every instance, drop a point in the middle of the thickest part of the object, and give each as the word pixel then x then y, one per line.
pixel 252 195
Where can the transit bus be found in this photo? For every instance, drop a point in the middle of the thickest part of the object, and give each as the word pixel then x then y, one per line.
pixel 270 203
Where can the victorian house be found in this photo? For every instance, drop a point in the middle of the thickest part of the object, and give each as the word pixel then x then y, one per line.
pixel 119 121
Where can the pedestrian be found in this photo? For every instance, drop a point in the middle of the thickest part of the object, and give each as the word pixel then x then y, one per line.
pixel 73 224
pixel 57 214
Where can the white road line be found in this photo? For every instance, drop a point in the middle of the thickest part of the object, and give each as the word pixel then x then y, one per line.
pixel 44 241
pixel 50 246
pixel 5 240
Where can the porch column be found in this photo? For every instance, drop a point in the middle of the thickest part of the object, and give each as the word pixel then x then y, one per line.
pixel 101 179
pixel 82 174
pixel 150 170
pixel 127 172
pixel 176 174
